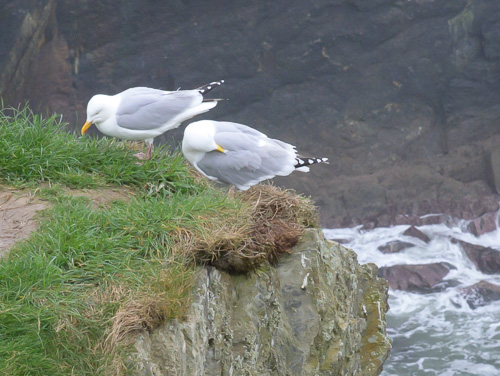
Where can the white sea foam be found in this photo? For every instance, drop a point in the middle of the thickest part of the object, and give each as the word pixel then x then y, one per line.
pixel 437 333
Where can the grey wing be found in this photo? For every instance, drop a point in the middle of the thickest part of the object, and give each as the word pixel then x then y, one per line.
pixel 145 109
pixel 225 126
pixel 245 163
pixel 274 154
pixel 239 169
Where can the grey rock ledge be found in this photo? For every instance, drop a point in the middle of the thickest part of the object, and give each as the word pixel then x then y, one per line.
pixel 317 313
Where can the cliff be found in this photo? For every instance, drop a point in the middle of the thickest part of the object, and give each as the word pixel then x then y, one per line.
pixel 99 252
pixel 318 312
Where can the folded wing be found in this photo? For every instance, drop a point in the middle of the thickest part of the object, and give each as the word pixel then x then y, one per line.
pixel 250 157
pixel 145 108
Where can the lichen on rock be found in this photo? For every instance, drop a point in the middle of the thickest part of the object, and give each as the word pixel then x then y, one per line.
pixel 318 312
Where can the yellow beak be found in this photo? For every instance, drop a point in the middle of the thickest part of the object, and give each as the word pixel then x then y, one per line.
pixel 220 148
pixel 86 127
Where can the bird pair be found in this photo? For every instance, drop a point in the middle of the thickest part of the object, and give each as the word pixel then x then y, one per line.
pixel 228 152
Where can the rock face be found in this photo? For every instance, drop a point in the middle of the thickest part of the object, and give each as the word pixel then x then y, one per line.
pixel 317 313
pixel 26 26
pixel 401 95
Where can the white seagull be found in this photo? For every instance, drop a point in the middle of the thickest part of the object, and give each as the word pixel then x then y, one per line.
pixel 238 155
pixel 141 113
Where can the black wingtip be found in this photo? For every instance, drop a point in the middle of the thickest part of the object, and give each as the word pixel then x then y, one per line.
pixel 209 87
pixel 303 162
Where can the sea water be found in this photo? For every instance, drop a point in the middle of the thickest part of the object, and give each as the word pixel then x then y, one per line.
pixel 435 333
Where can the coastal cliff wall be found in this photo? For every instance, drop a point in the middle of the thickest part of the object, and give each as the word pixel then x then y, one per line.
pixel 318 312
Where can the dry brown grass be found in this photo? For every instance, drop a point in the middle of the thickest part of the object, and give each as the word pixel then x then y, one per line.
pixel 136 315
pixel 270 224
pixel 147 310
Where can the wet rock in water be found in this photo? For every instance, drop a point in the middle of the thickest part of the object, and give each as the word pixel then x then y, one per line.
pixel 394 247
pixel 418 278
pixel 416 233
pixel 483 224
pixel 485 259
pixel 340 241
pixel 370 225
pixel 481 293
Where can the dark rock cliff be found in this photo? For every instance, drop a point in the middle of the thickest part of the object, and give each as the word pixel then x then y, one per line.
pixel 403 96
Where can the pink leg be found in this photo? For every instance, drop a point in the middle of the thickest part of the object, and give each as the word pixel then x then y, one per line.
pixel 149 151
pixel 148 155
pixel 140 155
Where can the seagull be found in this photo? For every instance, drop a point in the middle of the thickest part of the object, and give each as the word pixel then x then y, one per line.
pixel 142 113
pixel 238 155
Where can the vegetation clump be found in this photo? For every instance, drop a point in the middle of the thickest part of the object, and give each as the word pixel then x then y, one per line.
pixel 271 224
pixel 74 294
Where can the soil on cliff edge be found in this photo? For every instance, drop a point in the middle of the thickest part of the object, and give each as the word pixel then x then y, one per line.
pixel 19 208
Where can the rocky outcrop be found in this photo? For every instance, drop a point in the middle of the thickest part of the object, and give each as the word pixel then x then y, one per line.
pixel 419 278
pixel 401 95
pixel 318 312
pixel 483 224
pixel 485 259
pixel 416 233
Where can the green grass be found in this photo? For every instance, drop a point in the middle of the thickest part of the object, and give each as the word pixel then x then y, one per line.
pixel 35 150
pixel 61 289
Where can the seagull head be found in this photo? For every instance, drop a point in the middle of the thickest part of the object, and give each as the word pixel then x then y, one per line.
pixel 99 109
pixel 199 137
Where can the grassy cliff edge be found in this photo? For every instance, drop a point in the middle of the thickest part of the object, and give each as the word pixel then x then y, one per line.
pixel 95 273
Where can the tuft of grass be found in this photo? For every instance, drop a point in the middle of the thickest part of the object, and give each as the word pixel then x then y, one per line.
pixel 268 224
pixel 164 300
pixel 35 150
